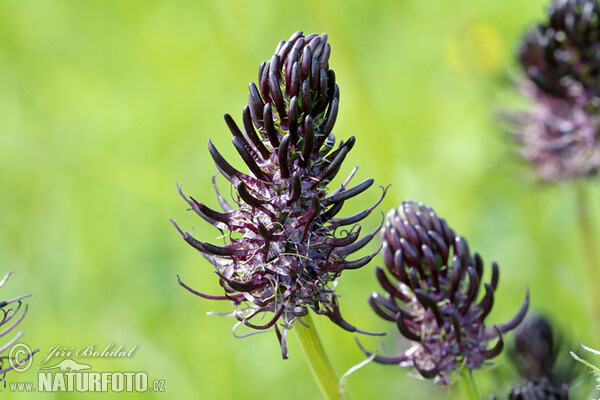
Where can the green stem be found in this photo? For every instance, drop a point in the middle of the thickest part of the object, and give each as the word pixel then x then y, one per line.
pixel 320 365
pixel 588 239
pixel 468 385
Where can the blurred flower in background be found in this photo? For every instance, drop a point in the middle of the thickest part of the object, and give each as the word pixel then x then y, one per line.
pixel 435 304
pixel 285 248
pixel 538 390
pixel 7 325
pixel 559 134
pixel 535 355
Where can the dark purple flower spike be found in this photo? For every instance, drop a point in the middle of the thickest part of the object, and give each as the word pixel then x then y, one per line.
pixel 286 246
pixel 534 354
pixel 436 303
pixel 534 351
pixel 560 135
pixel 540 389
pixel 11 315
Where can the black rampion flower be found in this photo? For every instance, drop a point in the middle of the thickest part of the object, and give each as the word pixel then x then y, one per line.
pixel 286 247
pixel 435 302
pixel 534 354
pixel 560 134
pixel 539 389
pixel 7 325
pixel 534 351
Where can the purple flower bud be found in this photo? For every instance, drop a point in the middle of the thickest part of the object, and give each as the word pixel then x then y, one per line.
pixel 286 247
pixel 11 315
pixel 559 135
pixel 540 389
pixel 534 354
pixel 436 303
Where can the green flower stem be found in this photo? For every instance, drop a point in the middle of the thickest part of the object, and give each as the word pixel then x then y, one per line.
pixel 589 242
pixel 469 388
pixel 320 365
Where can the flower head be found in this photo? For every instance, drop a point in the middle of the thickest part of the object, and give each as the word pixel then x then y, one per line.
pixel 435 302
pixel 534 351
pixel 539 389
pixel 286 246
pixel 560 135
pixel 534 354
pixel 8 312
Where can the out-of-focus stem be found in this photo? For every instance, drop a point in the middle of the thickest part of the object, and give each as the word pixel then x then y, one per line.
pixel 318 361
pixel 469 388
pixel 590 246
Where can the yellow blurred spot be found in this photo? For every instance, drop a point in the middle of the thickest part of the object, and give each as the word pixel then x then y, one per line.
pixel 479 48
pixel 488 45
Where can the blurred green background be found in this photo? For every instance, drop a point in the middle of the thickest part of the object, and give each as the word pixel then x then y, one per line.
pixel 104 105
